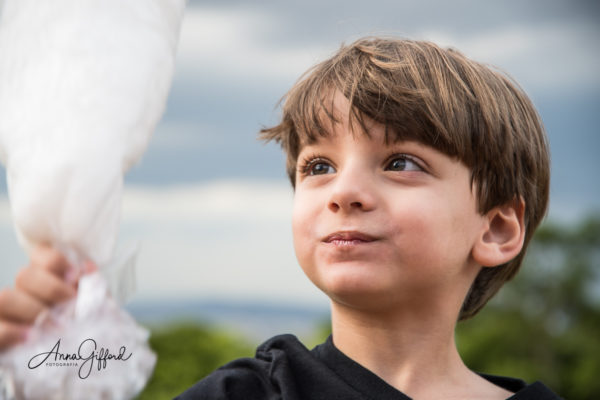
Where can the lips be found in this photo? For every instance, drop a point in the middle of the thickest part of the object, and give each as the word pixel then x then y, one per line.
pixel 349 238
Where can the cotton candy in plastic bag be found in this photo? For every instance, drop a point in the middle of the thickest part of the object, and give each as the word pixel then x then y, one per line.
pixel 83 84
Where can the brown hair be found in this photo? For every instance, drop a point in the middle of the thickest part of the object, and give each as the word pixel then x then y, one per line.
pixel 440 98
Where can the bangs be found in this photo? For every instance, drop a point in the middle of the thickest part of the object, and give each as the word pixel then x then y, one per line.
pixel 404 105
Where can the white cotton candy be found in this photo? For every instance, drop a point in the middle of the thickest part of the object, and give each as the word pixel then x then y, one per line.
pixel 83 84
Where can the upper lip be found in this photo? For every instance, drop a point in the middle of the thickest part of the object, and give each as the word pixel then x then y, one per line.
pixel 349 235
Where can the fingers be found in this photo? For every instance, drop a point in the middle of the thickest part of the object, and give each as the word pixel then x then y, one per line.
pixel 50 259
pixel 18 306
pixel 42 284
pixel 11 333
pixel 17 311
pixel 47 280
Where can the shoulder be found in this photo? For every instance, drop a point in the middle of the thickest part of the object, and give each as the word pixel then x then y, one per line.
pixel 521 390
pixel 535 391
pixel 266 375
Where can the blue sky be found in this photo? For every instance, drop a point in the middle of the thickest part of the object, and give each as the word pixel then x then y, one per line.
pixel 210 205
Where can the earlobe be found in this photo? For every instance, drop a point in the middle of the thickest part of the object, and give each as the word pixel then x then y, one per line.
pixel 502 237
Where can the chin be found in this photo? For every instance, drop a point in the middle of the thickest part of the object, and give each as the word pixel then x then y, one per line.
pixel 357 290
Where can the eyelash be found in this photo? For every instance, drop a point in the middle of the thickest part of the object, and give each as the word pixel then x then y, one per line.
pixel 404 156
pixel 306 164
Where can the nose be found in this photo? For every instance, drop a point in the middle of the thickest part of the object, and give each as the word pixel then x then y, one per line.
pixel 353 191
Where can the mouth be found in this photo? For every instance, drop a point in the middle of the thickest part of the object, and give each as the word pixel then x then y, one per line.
pixel 349 238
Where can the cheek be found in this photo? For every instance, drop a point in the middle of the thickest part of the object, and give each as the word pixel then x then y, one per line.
pixel 412 235
pixel 303 222
pixel 436 235
pixel 422 231
pixel 300 218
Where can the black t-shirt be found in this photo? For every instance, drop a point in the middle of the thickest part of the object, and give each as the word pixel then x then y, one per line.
pixel 284 369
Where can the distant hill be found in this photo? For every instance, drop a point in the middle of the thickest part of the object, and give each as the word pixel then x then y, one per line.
pixel 256 321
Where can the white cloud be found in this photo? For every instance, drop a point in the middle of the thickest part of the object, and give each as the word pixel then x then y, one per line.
pixel 551 56
pixel 227 239
pixel 231 43
pixel 251 201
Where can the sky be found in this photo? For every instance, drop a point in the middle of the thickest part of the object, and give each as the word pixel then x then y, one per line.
pixel 210 206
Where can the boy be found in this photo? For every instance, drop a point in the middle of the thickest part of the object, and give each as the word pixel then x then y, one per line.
pixel 419 178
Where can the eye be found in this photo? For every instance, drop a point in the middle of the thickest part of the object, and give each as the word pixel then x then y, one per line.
pixel 402 162
pixel 316 166
pixel 319 168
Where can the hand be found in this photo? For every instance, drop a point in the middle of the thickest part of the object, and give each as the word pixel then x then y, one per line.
pixel 47 280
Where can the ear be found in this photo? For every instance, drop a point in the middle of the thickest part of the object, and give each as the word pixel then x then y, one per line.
pixel 502 236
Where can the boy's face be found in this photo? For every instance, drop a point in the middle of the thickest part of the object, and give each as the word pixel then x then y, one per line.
pixel 378 225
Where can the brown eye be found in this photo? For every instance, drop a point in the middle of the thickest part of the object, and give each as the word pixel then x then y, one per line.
pixel 320 168
pixel 402 163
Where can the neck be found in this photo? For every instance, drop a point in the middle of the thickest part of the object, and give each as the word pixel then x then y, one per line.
pixel 409 350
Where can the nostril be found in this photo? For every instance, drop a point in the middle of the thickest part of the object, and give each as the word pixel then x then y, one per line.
pixel 334 206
